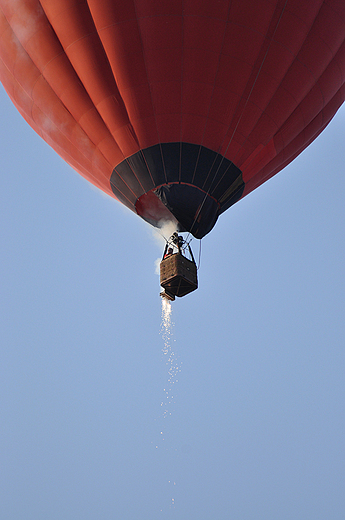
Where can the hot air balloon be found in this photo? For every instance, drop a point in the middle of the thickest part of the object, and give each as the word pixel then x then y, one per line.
pixel 178 109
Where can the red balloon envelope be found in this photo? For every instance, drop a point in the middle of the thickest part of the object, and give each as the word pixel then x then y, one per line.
pixel 176 108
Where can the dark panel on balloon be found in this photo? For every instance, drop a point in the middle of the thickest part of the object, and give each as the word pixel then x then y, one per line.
pixel 121 190
pixel 171 158
pixel 232 195
pixel 204 166
pixel 189 160
pixel 196 211
pixel 154 161
pixel 137 163
pixel 124 200
pixel 219 166
pixel 227 175
pixel 180 183
pixel 130 176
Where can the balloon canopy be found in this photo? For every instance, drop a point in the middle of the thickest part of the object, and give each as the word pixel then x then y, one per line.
pixel 176 108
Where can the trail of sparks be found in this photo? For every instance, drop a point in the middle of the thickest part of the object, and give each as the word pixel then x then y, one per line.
pixel 170 357
pixel 167 403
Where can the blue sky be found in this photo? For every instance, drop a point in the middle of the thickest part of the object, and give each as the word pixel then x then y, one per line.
pixel 256 429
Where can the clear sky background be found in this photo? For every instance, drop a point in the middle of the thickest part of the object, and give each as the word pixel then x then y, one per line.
pixel 256 425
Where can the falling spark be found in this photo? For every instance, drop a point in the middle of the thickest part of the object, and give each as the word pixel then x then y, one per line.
pixel 171 362
pixel 169 355
pixel 166 329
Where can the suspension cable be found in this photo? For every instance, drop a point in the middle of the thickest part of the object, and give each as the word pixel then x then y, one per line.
pixel 238 122
pixel 199 260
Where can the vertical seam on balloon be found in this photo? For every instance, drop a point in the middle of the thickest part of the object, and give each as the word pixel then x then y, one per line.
pixel 77 75
pixel 209 107
pixel 181 91
pixel 297 108
pixel 334 60
pixel 248 97
pixel 142 187
pixel 117 88
pixel 115 94
pixel 149 85
pixel 63 53
pixel 125 183
pixel 115 83
pixel 287 160
pixel 33 104
pixel 316 80
pixel 148 167
pixel 122 195
pixel 110 68
pixel 251 90
pixel 75 161
pixel 41 75
pixel 116 189
pixel 287 71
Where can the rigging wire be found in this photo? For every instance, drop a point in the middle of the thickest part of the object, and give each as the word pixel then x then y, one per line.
pixel 239 120
pixel 199 260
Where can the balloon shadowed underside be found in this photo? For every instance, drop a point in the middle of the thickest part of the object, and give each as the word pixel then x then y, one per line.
pixel 177 109
pixel 180 181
